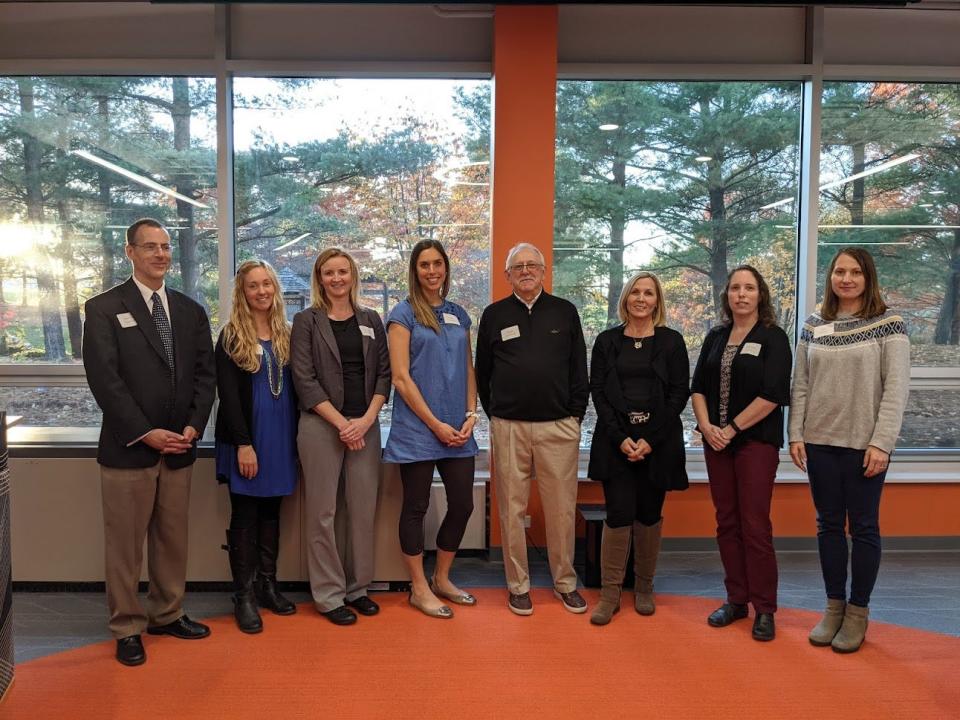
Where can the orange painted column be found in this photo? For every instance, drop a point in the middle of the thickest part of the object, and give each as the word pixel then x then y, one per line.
pixel 524 127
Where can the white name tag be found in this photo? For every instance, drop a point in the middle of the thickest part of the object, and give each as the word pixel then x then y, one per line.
pixel 126 320
pixel 367 330
pixel 259 349
pixel 450 319
pixel 823 330
pixel 510 333
pixel 750 349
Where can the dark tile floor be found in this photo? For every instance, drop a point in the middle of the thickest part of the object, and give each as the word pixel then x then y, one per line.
pixel 918 589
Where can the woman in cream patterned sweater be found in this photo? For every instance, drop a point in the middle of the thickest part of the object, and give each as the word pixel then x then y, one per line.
pixel 850 386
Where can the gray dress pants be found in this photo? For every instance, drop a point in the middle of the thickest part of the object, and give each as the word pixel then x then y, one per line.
pixel 340 486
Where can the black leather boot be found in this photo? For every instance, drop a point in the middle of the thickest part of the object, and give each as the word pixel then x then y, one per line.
pixel 242 549
pixel 268 540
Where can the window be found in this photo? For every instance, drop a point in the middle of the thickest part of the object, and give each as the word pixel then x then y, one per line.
pixel 80 159
pixel 890 182
pixel 371 166
pixel 684 179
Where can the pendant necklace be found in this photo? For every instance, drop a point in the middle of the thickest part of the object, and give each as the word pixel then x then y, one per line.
pixel 275 390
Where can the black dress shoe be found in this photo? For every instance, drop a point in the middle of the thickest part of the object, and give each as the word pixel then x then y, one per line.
pixel 340 616
pixel 764 628
pixel 183 628
pixel 726 614
pixel 130 651
pixel 364 605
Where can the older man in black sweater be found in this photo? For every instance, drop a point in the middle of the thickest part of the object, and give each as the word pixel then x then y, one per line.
pixel 532 380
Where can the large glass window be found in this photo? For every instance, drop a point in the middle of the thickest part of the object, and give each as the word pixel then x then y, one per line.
pixel 678 178
pixel 890 182
pixel 80 159
pixel 371 166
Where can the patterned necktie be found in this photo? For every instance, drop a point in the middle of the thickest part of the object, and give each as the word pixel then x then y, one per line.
pixel 163 328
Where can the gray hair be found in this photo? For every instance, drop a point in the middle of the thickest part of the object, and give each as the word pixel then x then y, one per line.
pixel 520 247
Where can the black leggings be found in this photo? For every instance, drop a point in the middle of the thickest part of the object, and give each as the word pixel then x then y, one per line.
pixel 248 511
pixel 417 477
pixel 629 495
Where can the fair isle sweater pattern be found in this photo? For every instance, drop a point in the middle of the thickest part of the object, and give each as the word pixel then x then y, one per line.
pixel 850 382
pixel 854 331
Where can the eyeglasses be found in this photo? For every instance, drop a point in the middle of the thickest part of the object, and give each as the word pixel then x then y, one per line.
pixel 151 248
pixel 528 267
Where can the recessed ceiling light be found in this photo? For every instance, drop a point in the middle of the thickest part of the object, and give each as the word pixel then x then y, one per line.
pixel 938 192
pixel 609 126
pixel 290 158
pixel 703 158
pixel 926 204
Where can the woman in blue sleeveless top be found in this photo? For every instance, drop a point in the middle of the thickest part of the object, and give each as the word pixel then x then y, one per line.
pixel 434 411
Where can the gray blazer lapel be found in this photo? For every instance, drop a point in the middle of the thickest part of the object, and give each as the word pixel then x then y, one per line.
pixel 326 332
pixel 133 301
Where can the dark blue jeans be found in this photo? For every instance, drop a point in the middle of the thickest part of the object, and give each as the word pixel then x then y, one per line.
pixel 842 495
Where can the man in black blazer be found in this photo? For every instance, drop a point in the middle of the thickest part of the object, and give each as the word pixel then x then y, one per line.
pixel 148 357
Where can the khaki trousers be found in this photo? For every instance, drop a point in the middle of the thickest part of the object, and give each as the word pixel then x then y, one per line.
pixel 341 487
pixel 548 451
pixel 143 503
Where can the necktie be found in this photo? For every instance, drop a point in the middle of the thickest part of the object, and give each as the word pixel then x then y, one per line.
pixel 162 324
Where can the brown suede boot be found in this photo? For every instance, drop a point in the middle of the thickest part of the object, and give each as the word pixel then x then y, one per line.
pixel 614 550
pixel 852 631
pixel 646 550
pixel 826 630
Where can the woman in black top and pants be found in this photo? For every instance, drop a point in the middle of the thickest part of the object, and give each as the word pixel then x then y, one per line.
pixel 638 378
pixel 740 385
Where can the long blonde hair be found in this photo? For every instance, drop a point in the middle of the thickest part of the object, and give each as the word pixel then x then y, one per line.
pixel 319 295
pixel 422 309
pixel 240 333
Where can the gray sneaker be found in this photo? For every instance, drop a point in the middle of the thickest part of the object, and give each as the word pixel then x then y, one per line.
pixel 520 604
pixel 572 601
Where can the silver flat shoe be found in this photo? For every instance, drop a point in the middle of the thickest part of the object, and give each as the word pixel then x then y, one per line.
pixel 442 612
pixel 458 598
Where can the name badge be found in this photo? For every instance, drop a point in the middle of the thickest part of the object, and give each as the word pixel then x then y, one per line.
pixel 126 320
pixel 450 319
pixel 823 330
pixel 750 349
pixel 259 349
pixel 510 333
pixel 367 330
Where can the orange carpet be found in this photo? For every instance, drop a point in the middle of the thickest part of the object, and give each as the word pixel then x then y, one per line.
pixel 488 663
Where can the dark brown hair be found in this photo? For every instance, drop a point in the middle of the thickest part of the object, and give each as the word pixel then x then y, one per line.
pixel 872 304
pixel 421 306
pixel 764 307
pixel 142 222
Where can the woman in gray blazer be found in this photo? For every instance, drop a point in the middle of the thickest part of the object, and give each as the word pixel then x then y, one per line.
pixel 341 371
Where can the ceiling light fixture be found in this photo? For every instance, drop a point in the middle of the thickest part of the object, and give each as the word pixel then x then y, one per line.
pixel 703 158
pixel 856 176
pixel 292 242
pixel 146 182
pixel 609 126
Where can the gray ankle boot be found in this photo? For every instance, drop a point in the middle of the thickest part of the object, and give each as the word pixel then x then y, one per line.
pixel 614 550
pixel 850 636
pixel 646 550
pixel 825 630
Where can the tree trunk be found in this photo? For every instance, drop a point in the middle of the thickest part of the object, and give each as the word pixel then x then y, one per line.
pixel 46 280
pixel 186 238
pixel 70 300
pixel 618 223
pixel 856 205
pixel 718 245
pixel 108 276
pixel 948 324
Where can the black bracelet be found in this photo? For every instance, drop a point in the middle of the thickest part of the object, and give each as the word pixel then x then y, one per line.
pixel 734 426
